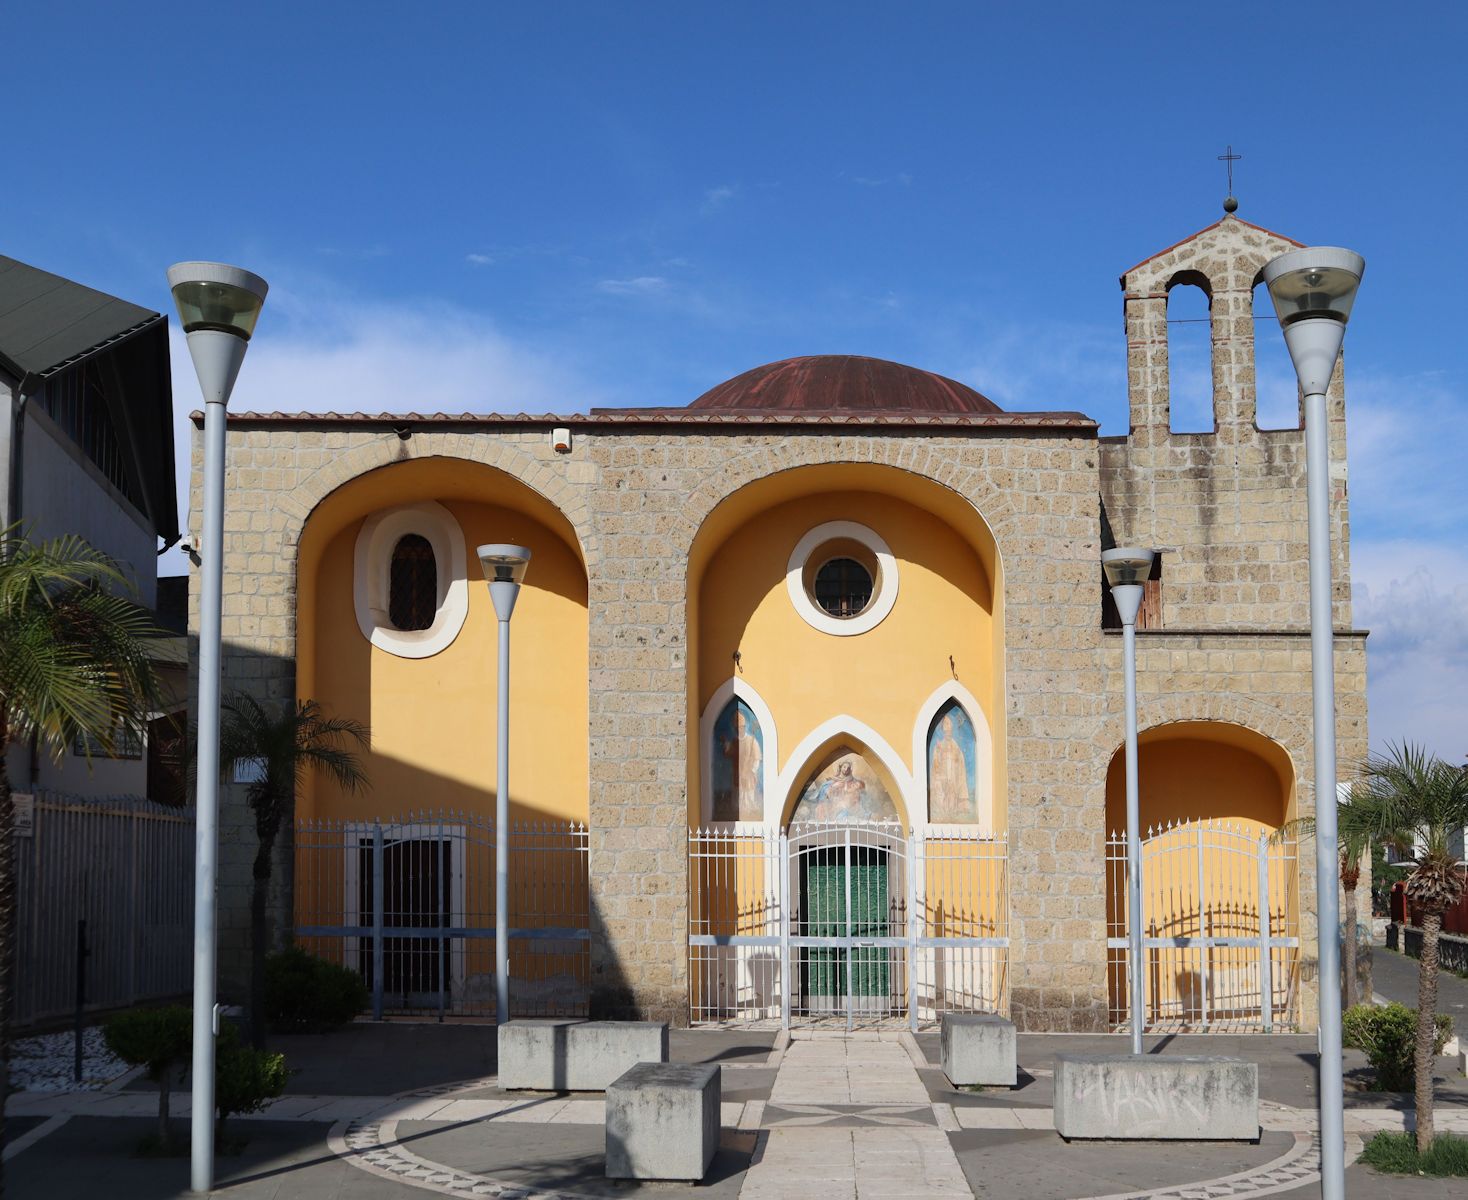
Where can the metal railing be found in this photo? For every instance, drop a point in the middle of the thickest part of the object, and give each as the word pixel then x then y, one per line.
pixel 112 877
pixel 409 904
pixel 853 922
pixel 1220 915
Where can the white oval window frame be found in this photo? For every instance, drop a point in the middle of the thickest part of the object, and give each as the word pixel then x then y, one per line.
pixel 812 613
pixel 372 571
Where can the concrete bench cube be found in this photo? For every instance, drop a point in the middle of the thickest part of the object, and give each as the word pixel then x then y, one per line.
pixel 573 1055
pixel 663 1121
pixel 1156 1097
pixel 978 1049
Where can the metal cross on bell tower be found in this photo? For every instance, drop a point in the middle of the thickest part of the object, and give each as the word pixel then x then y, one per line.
pixel 1230 202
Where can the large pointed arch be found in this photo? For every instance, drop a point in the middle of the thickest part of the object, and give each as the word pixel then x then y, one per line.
pixel 736 689
pixel 953 691
pixel 821 740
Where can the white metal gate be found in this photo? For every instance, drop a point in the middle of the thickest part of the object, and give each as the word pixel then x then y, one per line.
pixel 1221 930
pixel 848 922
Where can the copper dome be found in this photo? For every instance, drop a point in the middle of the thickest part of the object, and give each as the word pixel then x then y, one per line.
pixel 843 382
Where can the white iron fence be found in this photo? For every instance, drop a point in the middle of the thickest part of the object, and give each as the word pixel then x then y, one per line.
pixel 1220 918
pixel 847 922
pixel 409 904
pixel 107 885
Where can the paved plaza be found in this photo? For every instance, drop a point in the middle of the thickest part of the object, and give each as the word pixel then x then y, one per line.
pixel 825 1115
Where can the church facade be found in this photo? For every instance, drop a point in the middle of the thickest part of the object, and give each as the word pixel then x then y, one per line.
pixel 832 590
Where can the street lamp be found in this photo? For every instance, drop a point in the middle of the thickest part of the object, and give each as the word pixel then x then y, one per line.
pixel 1127 569
pixel 1313 290
pixel 504 570
pixel 218 307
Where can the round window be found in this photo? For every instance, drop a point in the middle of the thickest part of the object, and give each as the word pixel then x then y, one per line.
pixel 842 578
pixel 843 587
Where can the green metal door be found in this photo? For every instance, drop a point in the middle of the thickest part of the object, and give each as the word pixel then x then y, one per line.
pixel 824 886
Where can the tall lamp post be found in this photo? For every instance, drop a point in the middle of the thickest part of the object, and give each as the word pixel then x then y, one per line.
pixel 1313 291
pixel 218 306
pixel 1126 570
pixel 504 570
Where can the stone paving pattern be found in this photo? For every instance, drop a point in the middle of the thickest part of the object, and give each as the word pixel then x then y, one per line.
pixel 865 1116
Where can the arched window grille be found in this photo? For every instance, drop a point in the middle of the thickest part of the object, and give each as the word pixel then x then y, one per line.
pixel 412 584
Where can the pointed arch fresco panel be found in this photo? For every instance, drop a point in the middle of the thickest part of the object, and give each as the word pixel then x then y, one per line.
pixel 846 787
pixel 953 777
pixel 737 764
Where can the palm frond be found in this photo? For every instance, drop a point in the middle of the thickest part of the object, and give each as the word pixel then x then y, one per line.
pixel 288 741
pixel 73 654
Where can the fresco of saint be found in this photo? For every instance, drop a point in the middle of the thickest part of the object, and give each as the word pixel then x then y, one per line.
pixel 952 787
pixel 738 762
pixel 847 788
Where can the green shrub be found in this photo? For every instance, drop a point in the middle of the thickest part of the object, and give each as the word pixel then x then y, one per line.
pixel 245 1079
pixel 159 1039
pixel 305 994
pixel 1388 1035
pixel 1396 1153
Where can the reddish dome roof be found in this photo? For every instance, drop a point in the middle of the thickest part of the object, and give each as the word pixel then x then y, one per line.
pixel 833 382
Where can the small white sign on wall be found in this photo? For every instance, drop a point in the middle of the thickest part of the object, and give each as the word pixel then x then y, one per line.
pixel 25 814
pixel 249 770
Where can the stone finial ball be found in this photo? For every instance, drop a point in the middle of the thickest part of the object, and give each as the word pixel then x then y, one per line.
pixel 1230 204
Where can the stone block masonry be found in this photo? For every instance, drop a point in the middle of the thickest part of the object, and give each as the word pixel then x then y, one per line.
pixel 1156 1097
pixel 1226 508
pixel 554 1055
pixel 979 1050
pixel 663 1121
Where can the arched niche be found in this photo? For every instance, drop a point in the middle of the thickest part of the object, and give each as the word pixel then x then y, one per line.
pixel 1210 795
pixel 947 619
pixel 432 718
pixel 1204 770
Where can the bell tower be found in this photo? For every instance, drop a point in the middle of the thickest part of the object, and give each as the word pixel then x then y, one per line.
pixel 1225 505
pixel 1225 261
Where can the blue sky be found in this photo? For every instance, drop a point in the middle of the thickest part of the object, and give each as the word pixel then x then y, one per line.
pixel 488 207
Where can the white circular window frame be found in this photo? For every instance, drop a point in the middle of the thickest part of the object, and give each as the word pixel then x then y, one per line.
pixel 811 612
pixel 372 576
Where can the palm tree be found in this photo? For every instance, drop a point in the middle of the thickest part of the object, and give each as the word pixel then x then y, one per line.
pixel 74 662
pixel 1422 801
pixel 1359 826
pixel 281 744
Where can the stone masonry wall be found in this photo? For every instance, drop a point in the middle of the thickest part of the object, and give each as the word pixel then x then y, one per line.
pixel 636 499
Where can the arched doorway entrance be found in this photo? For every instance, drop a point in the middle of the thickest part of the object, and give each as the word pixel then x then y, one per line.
pixel 848 880
pixel 1220 910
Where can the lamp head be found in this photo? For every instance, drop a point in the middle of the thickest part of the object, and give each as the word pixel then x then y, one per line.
pixel 1318 281
pixel 216 296
pixel 1313 290
pixel 1127 565
pixel 1127 568
pixel 504 570
pixel 503 563
pixel 218 306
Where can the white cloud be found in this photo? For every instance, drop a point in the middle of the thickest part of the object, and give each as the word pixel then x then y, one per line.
pixel 344 356
pixel 642 285
pixel 1406 457
pixel 1079 368
pixel 715 198
pixel 479 260
pixel 1413 596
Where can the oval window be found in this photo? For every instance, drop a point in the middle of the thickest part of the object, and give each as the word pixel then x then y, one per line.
pixel 412 584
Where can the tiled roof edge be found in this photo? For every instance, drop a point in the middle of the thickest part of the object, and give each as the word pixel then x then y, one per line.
pixel 677 417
